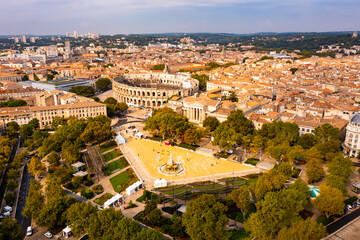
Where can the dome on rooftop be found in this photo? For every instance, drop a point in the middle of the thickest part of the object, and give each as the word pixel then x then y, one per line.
pixel 355 118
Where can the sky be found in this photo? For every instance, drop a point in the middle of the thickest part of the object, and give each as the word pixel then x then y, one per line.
pixel 42 17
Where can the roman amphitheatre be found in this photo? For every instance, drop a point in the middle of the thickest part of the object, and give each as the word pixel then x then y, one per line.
pixel 197 166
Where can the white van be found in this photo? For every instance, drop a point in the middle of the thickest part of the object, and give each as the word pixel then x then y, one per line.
pixel 28 231
pixel 8 209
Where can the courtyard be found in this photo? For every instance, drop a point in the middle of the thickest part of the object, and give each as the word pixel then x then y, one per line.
pixel 196 165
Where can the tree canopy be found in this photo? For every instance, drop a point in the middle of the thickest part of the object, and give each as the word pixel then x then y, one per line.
pixel 103 84
pixel 86 91
pixel 205 218
pixel 167 123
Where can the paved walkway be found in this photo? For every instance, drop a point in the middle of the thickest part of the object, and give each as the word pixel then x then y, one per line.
pixel 139 169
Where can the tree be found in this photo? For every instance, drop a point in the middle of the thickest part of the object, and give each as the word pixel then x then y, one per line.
pixel 35 200
pixel 12 184
pixel 241 197
pixel 123 106
pixel 205 218
pixel 103 84
pixel 12 128
pixel 314 170
pixel 78 216
pixel 58 121
pixel 237 121
pixel 70 152
pixel 339 169
pixel 293 70
pixel 36 167
pixel 327 139
pixel 25 78
pixel 96 99
pixel 103 224
pixel 211 123
pixel 53 159
pixel 280 133
pixel 193 136
pixel 96 131
pixel 330 201
pixel 278 151
pixel 54 212
pixel 34 123
pixel 49 77
pixel 276 211
pixel 202 78
pixel 168 124
pixel 307 140
pixel 9 198
pixel 159 67
pixel 13 174
pixel 26 131
pixel 233 97
pixel 53 190
pixel 85 91
pixel 225 137
pixel 148 234
pixel 110 100
pixel 10 229
pixel 303 230
pixel 273 180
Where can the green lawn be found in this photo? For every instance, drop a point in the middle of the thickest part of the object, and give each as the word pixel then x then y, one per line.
pixel 103 198
pixel 111 155
pixel 116 165
pixel 121 181
pixel 252 161
pixel 188 146
pixel 107 146
pixel 233 180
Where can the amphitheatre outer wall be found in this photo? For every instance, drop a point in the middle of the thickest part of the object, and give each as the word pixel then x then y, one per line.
pixel 153 90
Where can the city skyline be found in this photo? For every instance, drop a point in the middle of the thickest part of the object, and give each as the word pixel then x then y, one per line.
pixel 231 16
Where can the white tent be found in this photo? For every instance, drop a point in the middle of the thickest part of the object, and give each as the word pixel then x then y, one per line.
pixel 160 183
pixel 115 199
pixel 182 209
pixel 66 232
pixel 139 134
pixel 120 139
pixel 133 188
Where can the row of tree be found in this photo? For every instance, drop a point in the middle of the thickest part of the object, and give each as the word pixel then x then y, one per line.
pixel 55 209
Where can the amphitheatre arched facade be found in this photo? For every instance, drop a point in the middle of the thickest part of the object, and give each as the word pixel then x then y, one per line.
pixel 152 90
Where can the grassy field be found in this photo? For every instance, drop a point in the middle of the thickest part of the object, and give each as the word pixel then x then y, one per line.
pixel 234 180
pixel 103 198
pixel 107 146
pixel 116 165
pixel 121 181
pixel 111 155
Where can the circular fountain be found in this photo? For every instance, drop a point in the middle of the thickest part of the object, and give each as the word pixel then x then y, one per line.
pixel 171 167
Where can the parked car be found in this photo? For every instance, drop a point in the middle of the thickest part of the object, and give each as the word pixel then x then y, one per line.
pixel 48 235
pixel 230 151
pixel 28 231
pixel 100 208
pixel 8 209
pixel 358 203
pixel 349 207
pixel 7 214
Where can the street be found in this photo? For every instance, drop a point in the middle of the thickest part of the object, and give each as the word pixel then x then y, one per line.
pixel 24 190
pixel 333 227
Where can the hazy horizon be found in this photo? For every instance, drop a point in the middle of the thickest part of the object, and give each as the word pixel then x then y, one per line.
pixel 110 17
